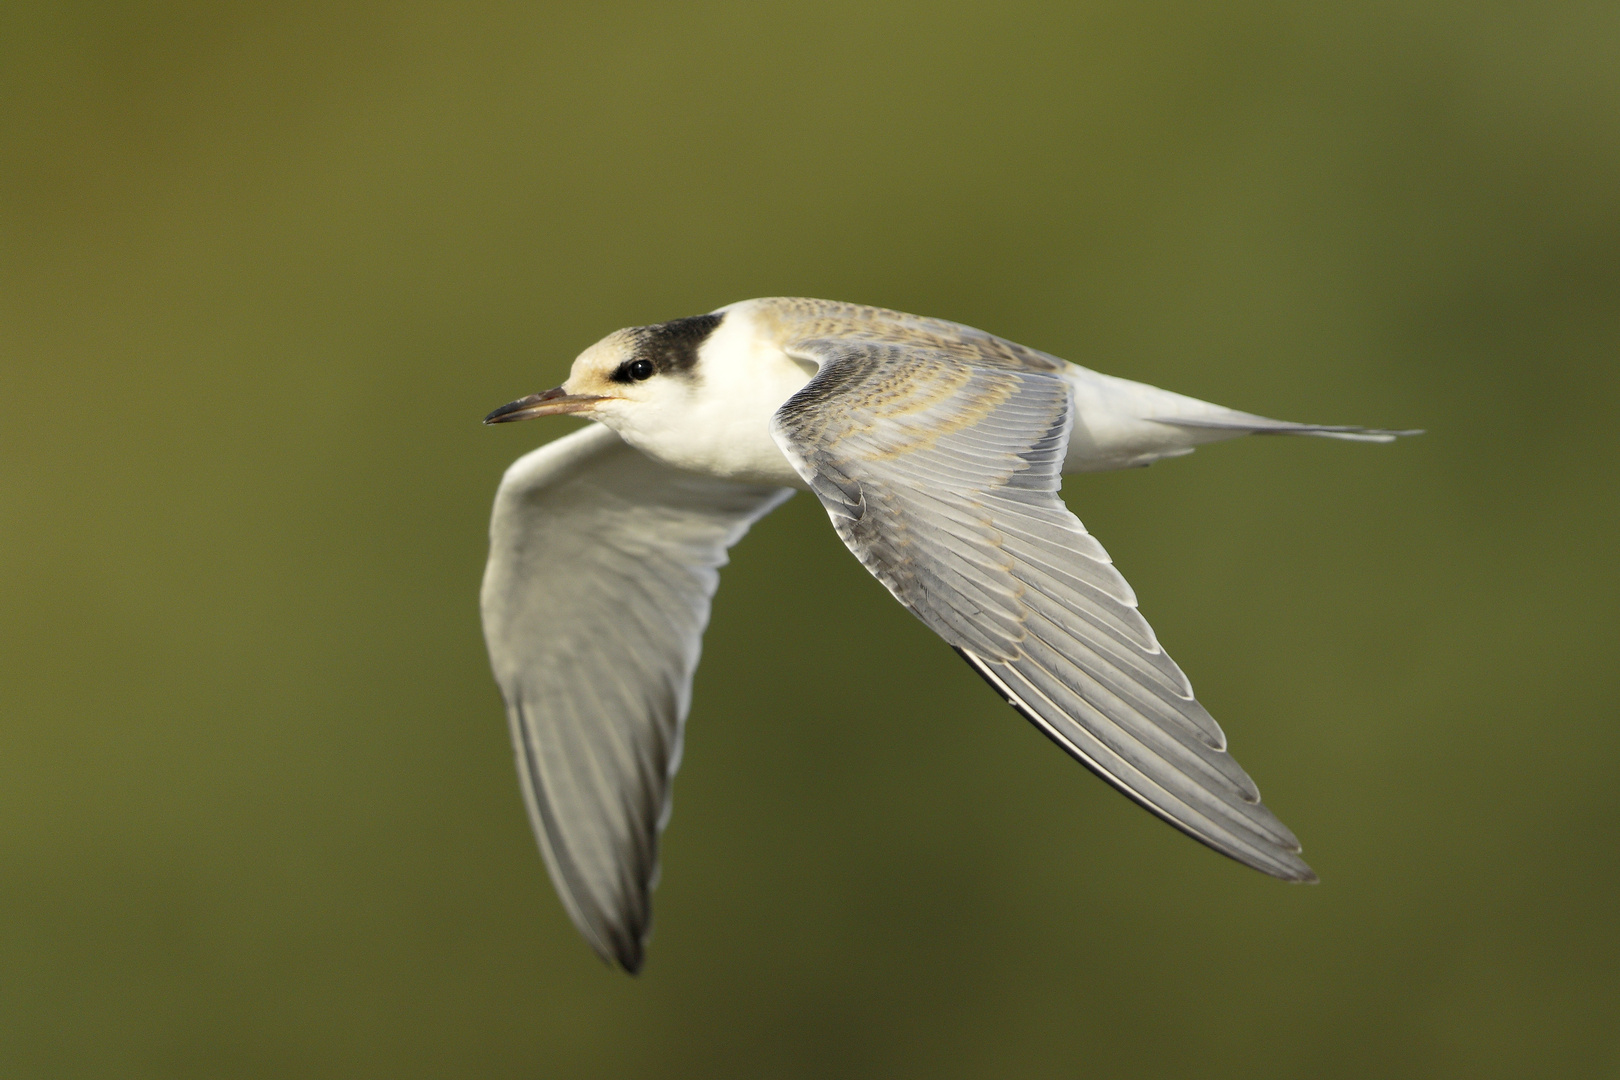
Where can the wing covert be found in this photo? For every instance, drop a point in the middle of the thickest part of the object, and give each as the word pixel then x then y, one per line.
pixel 601 569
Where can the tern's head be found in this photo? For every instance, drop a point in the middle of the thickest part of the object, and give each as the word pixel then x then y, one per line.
pixel 627 370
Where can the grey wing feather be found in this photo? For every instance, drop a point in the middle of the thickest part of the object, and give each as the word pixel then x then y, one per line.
pixel 602 565
pixel 942 476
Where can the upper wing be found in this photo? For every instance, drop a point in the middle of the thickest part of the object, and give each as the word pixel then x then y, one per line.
pixel 601 567
pixel 795 321
pixel 941 475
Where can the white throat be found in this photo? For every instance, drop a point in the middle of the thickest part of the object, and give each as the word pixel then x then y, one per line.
pixel 716 420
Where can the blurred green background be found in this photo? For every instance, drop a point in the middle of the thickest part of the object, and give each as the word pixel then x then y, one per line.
pixel 264 267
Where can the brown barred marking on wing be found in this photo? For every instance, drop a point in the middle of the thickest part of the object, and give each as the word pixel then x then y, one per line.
pixel 792 321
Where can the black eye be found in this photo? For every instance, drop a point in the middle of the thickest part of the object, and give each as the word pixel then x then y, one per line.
pixel 639 369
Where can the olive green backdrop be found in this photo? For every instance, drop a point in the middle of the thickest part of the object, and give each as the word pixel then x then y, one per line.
pixel 264 267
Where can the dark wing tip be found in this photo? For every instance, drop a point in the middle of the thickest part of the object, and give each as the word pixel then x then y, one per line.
pixel 626 947
pixel 1294 871
pixel 615 944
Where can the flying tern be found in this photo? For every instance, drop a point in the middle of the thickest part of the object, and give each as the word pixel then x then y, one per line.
pixel 937 450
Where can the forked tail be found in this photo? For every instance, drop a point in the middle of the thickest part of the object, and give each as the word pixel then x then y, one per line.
pixel 1260 425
